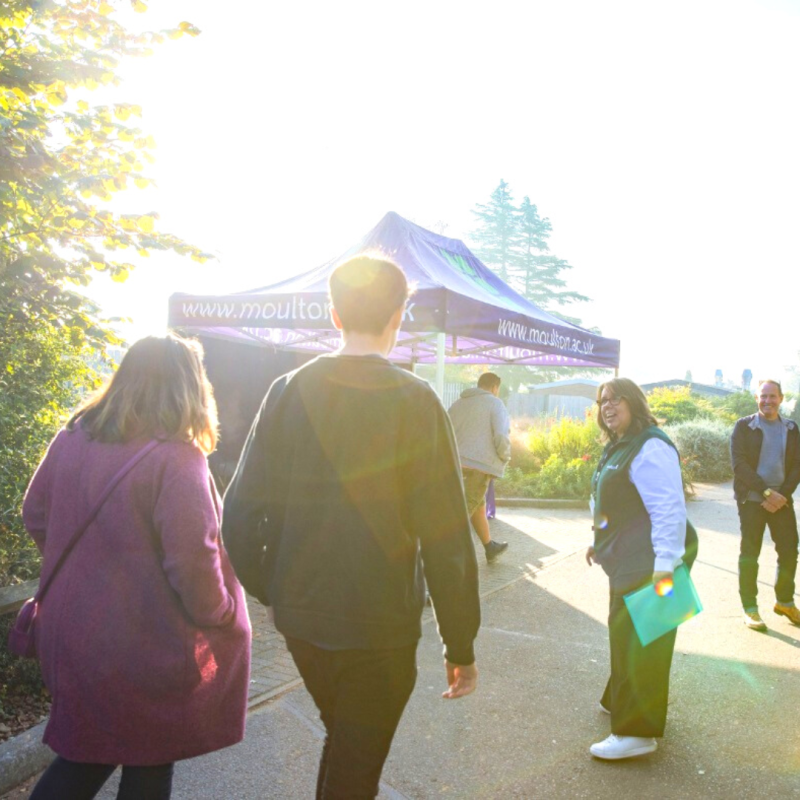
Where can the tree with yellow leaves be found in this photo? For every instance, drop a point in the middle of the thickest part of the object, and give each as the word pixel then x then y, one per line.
pixel 62 160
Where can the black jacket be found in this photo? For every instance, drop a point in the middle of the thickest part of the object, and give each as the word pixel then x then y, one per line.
pixel 348 488
pixel 745 451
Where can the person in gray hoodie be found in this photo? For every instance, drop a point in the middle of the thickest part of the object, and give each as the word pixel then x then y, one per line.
pixel 482 427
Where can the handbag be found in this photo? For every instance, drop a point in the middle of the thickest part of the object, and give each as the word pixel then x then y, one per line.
pixel 22 636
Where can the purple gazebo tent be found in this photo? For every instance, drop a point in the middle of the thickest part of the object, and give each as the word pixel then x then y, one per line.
pixel 461 312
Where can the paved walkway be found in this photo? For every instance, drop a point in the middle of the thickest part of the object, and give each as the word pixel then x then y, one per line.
pixel 535 537
pixel 543 659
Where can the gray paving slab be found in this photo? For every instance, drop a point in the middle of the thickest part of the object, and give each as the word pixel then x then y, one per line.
pixel 535 537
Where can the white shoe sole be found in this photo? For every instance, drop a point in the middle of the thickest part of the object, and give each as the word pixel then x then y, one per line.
pixel 636 751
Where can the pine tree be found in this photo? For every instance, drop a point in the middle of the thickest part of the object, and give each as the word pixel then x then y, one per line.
pixel 536 269
pixel 513 242
pixel 497 237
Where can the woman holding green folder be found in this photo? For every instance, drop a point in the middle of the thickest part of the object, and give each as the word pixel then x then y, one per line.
pixel 640 537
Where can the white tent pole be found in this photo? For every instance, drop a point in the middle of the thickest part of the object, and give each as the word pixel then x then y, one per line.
pixel 440 343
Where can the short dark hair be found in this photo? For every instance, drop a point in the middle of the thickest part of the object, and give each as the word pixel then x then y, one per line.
pixel 626 389
pixel 773 382
pixel 488 381
pixel 365 291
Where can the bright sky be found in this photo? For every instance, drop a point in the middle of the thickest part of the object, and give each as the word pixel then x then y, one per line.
pixel 661 139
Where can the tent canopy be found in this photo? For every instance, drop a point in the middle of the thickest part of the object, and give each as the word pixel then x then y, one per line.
pixel 460 307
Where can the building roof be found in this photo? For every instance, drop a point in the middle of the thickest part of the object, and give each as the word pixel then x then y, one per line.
pixel 697 388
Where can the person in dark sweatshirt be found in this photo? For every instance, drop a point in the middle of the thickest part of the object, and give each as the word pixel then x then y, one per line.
pixel 345 502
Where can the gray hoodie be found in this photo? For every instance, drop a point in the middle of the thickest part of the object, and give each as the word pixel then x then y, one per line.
pixel 482 427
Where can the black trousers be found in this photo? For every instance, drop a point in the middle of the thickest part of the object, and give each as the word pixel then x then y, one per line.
pixel 361 695
pixel 783 529
pixel 70 780
pixel 638 689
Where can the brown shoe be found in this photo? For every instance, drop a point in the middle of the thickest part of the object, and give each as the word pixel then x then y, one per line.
pixel 792 613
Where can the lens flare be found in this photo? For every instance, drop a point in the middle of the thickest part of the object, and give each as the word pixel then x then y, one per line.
pixel 603 522
pixel 665 587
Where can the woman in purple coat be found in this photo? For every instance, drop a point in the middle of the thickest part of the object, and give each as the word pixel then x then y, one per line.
pixel 144 638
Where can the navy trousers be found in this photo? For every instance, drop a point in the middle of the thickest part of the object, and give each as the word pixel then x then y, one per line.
pixel 361 695
pixel 783 529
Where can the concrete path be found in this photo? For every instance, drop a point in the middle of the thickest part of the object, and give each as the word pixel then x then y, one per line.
pixel 535 539
pixel 543 656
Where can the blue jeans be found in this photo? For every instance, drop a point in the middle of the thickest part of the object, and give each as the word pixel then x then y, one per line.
pixel 783 529
pixel 70 780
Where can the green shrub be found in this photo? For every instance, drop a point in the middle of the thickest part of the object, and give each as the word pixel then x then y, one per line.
pixel 791 406
pixel 558 461
pixel 523 455
pixel 566 438
pixel 734 406
pixel 567 479
pixel 552 458
pixel 673 405
pixel 704 446
pixel 42 376
pixel 19 677
pixel 516 483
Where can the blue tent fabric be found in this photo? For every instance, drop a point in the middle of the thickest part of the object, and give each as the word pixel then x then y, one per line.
pixel 484 320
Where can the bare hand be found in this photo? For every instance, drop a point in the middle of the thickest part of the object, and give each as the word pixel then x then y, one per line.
pixel 775 502
pixel 590 555
pixel 664 578
pixel 461 680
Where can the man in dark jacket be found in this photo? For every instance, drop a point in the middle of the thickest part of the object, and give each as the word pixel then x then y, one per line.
pixel 346 500
pixel 765 450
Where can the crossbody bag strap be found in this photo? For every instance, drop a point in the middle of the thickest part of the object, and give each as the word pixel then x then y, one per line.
pixel 123 471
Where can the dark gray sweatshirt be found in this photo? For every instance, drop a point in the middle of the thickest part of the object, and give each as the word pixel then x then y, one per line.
pixel 347 490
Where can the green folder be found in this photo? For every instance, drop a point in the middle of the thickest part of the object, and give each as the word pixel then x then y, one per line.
pixel 653 616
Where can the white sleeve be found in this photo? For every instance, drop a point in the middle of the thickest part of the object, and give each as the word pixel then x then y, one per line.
pixel 656 474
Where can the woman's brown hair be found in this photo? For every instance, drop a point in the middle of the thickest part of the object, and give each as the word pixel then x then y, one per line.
pixel 626 389
pixel 160 390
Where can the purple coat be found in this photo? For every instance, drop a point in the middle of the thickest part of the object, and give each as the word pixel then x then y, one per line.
pixel 144 637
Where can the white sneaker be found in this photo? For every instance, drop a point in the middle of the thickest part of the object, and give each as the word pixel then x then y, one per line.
pixel 623 747
pixel 753 621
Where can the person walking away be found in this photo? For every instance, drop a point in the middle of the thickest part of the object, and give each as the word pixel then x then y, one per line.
pixel 482 427
pixel 640 536
pixel 345 501
pixel 143 636
pixel 765 451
